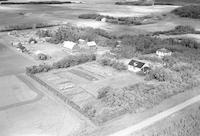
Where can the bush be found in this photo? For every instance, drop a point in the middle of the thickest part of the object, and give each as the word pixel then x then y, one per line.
pixel 103 92
pixel 42 56
pixel 32 40
pixel 134 98
pixel 38 69
pixel 74 60
pixel 113 63
pixel 161 74
pixel 190 43
pixel 191 11
pixel 137 3
pixel 89 110
pixel 44 33
pixel 88 16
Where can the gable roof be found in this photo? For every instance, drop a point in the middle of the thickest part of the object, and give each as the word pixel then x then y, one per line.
pixel 164 50
pixel 92 43
pixel 136 63
pixel 69 44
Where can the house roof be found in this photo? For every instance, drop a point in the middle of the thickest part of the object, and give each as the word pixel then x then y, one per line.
pixel 81 40
pixel 136 63
pixel 69 44
pixel 92 43
pixel 164 50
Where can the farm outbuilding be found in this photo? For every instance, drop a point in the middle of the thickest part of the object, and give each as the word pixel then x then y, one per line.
pixel 92 45
pixel 71 46
pixel 163 52
pixel 103 19
pixel 82 43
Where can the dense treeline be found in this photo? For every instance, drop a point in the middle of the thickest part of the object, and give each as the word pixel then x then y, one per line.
pixel 36 2
pixel 132 45
pixel 25 26
pixel 191 11
pixel 66 62
pixel 179 30
pixel 158 2
pixel 122 20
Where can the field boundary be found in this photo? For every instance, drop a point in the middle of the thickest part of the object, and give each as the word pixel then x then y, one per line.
pixel 74 105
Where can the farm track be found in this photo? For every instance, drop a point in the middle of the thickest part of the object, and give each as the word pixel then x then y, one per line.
pixel 156 118
pixel 32 87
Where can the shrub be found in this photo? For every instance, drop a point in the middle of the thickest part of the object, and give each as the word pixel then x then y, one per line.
pixel 137 3
pixel 44 33
pixel 190 43
pixel 38 69
pixel 89 110
pixel 113 63
pixel 73 60
pixel 42 56
pixel 88 16
pixel 103 92
pixel 161 74
pixel 32 40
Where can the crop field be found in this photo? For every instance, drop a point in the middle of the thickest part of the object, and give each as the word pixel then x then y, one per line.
pixel 16 92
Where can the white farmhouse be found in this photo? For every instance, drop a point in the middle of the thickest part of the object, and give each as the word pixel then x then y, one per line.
pixel 163 52
pixel 136 66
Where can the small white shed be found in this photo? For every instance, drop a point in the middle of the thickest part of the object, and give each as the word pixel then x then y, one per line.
pixel 103 19
pixel 92 44
pixel 72 46
pixel 163 52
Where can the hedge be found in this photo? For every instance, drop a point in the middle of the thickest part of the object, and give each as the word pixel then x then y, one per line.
pixel 66 62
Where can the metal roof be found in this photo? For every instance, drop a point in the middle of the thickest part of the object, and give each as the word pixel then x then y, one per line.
pixel 136 63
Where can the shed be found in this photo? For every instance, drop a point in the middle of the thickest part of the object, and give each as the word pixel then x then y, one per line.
pixel 70 45
pixel 103 19
pixel 163 52
pixel 81 41
pixel 92 45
